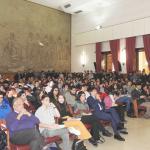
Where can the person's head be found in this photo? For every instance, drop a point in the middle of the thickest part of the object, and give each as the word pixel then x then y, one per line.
pixel 98 82
pixel 84 87
pixel 21 94
pixel 18 104
pixel 27 89
pixel 145 87
pixel 81 96
pixel 93 91
pixel 45 100
pixel 65 87
pixel 129 83
pixel 15 85
pixel 73 90
pixel 1 97
pixel 61 99
pixel 37 84
pixel 13 90
pixel 138 86
pixel 55 91
pixel 116 94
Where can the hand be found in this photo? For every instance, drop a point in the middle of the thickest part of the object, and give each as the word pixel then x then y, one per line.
pixel 54 126
pixel 26 102
pixel 69 119
pixel 25 112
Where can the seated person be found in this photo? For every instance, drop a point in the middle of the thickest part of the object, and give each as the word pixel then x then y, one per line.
pixel 63 108
pixel 22 126
pixel 146 97
pixel 30 97
pixel 5 109
pixel 120 98
pixel 146 92
pixel 110 104
pixel 47 113
pixel 136 95
pixel 27 105
pixel 11 94
pixel 81 108
pixel 101 113
pixel 121 101
pixel 66 116
pixel 70 96
pixel 54 94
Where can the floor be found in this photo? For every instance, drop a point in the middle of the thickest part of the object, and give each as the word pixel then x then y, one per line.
pixel 137 139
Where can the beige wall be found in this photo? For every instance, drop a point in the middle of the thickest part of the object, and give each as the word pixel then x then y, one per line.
pixel 33 37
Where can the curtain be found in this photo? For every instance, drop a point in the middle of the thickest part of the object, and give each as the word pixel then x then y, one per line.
pixel 146 40
pixel 115 50
pixel 130 54
pixel 98 57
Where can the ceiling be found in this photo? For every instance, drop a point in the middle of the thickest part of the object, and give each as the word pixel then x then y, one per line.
pixel 115 13
pixel 76 5
pixel 99 12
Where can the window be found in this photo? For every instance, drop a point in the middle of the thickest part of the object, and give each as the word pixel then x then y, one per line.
pixel 141 61
pixel 106 61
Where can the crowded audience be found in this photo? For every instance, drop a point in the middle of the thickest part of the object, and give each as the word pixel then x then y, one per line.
pixel 33 100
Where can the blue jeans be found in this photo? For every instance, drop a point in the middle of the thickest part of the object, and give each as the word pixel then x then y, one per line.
pixel 126 100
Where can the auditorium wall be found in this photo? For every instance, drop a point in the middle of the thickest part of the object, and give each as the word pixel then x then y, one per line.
pixel 33 37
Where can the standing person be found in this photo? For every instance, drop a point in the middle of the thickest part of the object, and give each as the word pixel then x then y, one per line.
pixel 22 126
pixel 46 114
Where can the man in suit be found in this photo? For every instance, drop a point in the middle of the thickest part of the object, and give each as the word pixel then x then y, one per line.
pixel 108 115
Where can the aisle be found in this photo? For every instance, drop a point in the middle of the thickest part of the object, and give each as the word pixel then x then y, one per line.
pixel 137 139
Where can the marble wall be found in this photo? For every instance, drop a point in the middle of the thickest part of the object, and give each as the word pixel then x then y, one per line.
pixel 33 37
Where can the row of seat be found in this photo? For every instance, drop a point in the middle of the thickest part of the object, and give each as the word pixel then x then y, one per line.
pixel 48 140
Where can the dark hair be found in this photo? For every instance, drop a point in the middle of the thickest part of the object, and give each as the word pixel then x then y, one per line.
pixel 72 87
pixel 63 97
pixel 20 93
pixel 116 93
pixel 83 85
pixel 53 88
pixel 1 93
pixel 44 96
pixel 79 95
pixel 106 90
pixel 92 88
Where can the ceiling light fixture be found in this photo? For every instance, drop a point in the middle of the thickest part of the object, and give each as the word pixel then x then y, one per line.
pixel 98 27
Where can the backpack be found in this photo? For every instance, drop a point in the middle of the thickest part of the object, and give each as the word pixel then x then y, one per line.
pixel 3 140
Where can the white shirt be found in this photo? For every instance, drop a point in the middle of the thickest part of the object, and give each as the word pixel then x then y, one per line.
pixel 87 94
pixel 47 115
